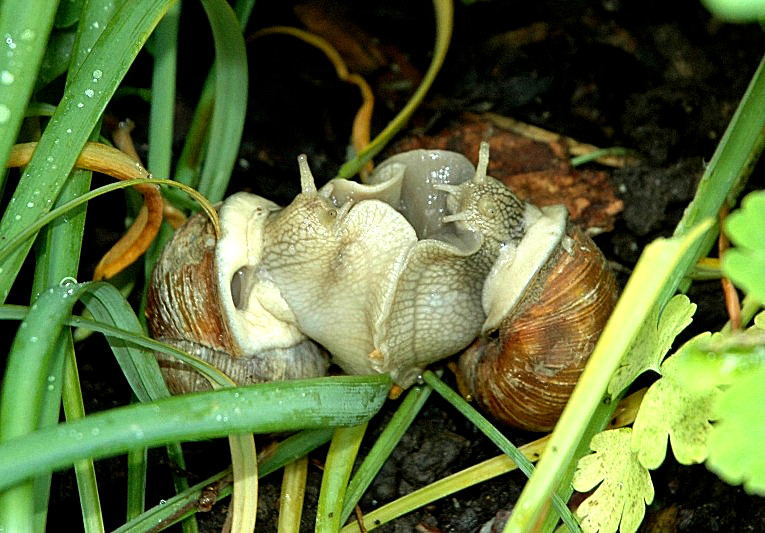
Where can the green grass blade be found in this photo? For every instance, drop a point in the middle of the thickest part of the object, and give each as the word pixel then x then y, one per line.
pixel 383 447
pixel 337 471
pixel 263 408
pixel 71 124
pixel 30 387
pixel 507 447
pixel 732 162
pixel 136 482
pixel 84 469
pixel 227 122
pixel 139 365
pixel 292 496
pixel 185 504
pixel 163 80
pixel 444 11
pixel 24 27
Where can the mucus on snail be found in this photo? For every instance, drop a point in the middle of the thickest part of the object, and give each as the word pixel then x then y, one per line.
pixel 429 258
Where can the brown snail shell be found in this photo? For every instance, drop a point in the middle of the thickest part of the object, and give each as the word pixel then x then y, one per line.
pixel 204 299
pixel 523 369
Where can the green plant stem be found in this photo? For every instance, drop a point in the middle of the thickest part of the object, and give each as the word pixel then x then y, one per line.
pixel 734 159
pixel 383 447
pixel 507 447
pixel 337 471
pixel 444 11
pixel 262 408
pixel 291 499
pixel 84 469
pixel 227 121
pixel 588 408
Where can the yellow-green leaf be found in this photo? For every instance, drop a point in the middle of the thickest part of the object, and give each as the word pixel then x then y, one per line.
pixel 670 410
pixel 736 440
pixel 745 264
pixel 653 341
pixel 625 485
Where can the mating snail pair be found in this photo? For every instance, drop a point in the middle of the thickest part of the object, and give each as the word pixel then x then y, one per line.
pixel 430 257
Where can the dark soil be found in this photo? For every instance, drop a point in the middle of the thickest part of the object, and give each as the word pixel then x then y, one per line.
pixel 662 78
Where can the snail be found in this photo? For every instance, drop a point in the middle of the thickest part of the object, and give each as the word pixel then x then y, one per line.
pixel 425 258
pixel 203 299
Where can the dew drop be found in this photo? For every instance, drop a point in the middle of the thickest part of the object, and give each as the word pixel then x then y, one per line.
pixel 65 282
pixel 5 113
pixel 69 130
pixel 89 93
pixel 17 217
pixel 80 104
pixel 30 204
pixel 35 339
pixel 6 78
pixel 162 502
pixel 27 35
pixel 97 75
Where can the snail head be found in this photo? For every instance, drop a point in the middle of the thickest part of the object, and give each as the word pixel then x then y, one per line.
pixel 484 205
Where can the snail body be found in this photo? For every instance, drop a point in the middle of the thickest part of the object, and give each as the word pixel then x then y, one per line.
pixel 425 258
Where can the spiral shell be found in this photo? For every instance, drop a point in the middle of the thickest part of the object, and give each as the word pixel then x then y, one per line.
pixel 523 368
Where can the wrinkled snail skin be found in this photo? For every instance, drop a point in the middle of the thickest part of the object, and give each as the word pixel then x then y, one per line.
pixel 523 369
pixel 426 259
pixel 204 299
pixel 383 295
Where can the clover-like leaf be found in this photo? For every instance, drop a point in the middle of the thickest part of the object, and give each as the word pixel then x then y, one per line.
pixel 737 439
pixel 711 360
pixel 759 320
pixel 745 263
pixel 625 485
pixel 670 410
pixel 653 342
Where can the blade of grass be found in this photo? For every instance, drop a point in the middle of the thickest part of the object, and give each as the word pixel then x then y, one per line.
pixel 488 429
pixel 138 365
pixel 444 11
pixel 244 467
pixel 734 159
pixel 24 26
pixel 190 160
pixel 291 499
pixel 31 379
pixel 337 471
pixel 185 504
pixel 81 106
pixel 29 231
pixel 491 468
pixel 58 253
pixel 84 469
pixel 227 122
pixel 383 447
pixel 263 408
